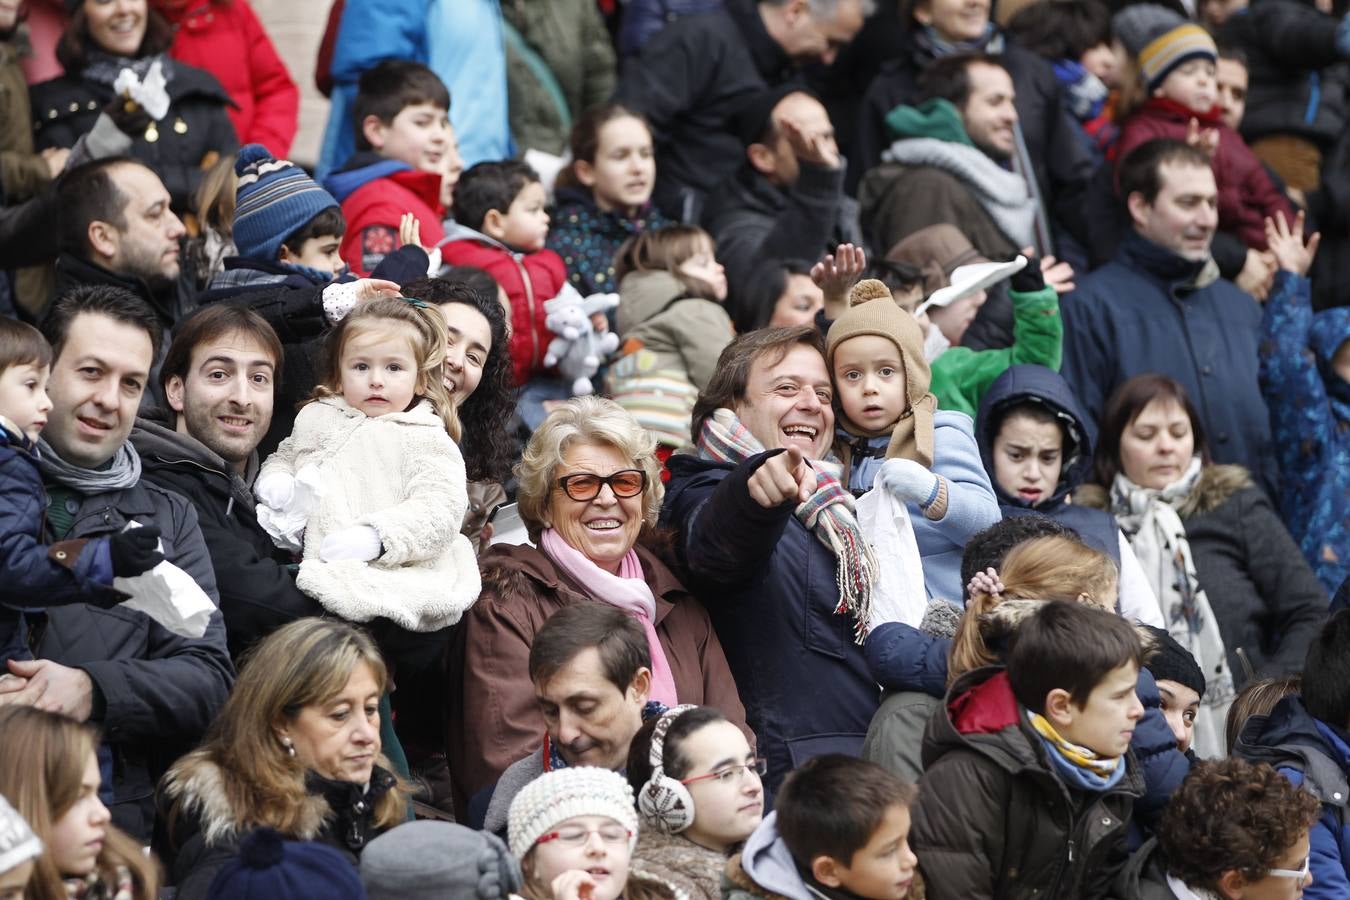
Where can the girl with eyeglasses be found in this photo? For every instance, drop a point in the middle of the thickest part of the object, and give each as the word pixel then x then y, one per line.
pixel 699 797
pixel 574 831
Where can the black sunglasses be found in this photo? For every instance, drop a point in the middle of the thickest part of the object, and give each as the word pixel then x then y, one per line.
pixel 583 486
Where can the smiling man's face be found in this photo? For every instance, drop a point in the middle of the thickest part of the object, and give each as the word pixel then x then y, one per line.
pixel 225 400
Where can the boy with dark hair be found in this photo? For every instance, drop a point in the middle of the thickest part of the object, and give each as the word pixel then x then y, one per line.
pixel 403 139
pixel 840 828
pixel 1307 738
pixel 1029 785
pixel 500 227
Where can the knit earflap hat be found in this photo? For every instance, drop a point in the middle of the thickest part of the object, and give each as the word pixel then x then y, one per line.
pixel 438 859
pixel 18 843
pixel 270 867
pixel 274 199
pixel 872 311
pixel 1169 51
pixel 563 794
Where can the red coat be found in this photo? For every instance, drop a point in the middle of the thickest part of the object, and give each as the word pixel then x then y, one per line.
pixel 1246 193
pixel 372 194
pixel 225 38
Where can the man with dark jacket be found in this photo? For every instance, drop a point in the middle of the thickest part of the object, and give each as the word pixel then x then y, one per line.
pixel 1161 306
pixel 152 693
pixel 693 76
pixel 786 202
pixel 219 378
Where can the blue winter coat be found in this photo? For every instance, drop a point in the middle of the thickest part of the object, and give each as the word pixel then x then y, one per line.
pixel 642 19
pixel 1150 310
pixel 1310 418
pixel 34 575
pixel 769 585
pixel 1026 383
pixel 1316 756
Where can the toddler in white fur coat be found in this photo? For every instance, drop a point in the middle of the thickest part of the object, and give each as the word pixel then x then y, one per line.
pixel 373 472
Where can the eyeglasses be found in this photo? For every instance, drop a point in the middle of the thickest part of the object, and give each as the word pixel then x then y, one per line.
pixel 583 486
pixel 733 773
pixel 578 835
pixel 1300 874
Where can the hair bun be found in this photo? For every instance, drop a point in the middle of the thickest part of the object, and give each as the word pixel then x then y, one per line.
pixel 262 849
pixel 868 289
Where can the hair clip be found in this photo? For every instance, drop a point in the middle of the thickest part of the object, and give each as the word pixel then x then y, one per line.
pixel 420 304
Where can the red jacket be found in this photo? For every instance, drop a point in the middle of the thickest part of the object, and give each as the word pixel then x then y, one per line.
pixel 1246 193
pixel 528 279
pixel 225 38
pixel 375 191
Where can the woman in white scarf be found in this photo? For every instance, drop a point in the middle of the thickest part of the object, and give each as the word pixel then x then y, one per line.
pixel 1208 541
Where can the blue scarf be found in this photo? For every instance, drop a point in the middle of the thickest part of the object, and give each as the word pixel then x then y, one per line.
pixel 1075 771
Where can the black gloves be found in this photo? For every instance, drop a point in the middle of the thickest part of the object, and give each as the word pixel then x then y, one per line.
pixel 134 551
pixel 1029 280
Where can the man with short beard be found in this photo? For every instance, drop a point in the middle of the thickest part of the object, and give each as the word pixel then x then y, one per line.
pixel 1161 306
pixel 116 228
pixel 219 378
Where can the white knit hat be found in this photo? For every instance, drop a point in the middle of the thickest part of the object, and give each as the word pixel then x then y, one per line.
pixel 18 844
pixel 563 794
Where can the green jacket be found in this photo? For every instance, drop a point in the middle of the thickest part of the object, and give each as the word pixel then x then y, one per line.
pixel 961 375
pixel 560 63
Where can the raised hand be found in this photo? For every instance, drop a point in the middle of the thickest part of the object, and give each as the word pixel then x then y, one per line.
pixel 835 275
pixel 1287 245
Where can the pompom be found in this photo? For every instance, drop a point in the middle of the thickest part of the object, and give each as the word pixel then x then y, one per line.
pixel 262 849
pixel 250 155
pixel 868 289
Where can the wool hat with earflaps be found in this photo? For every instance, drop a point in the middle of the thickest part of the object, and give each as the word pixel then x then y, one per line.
pixel 873 311
pixel 1169 51
pixel 274 199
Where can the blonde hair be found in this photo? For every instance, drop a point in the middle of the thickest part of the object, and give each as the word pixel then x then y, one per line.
pixel 427 323
pixel 304 663
pixel 583 420
pixel 43 757
pixel 1047 568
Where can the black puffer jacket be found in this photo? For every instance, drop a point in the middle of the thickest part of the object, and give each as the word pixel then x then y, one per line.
pixel 995 820
pixel 196 124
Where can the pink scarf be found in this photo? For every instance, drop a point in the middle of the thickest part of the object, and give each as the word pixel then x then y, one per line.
pixel 627 591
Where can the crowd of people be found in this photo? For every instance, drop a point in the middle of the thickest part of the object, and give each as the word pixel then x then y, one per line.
pixel 700 449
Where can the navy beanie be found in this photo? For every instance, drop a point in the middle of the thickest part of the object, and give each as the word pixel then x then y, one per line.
pixel 269 867
pixel 1173 662
pixel 273 200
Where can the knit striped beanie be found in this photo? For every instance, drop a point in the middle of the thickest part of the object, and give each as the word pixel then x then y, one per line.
pixel 274 199
pixel 563 794
pixel 1168 51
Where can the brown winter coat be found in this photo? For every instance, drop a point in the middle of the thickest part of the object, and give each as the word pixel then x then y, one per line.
pixel 896 200
pixel 494 717
pixel 22 172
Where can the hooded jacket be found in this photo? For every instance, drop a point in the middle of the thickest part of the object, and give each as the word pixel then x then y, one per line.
pixel 257 586
pixel 529 279
pixel 587 237
pixel 1310 420
pixel 1269 604
pixel 375 192
pixel 995 819
pixel 1313 754
pixel 1150 310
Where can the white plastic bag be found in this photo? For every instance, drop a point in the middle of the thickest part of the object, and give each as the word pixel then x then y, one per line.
pixel 171 597
pixel 898 594
pixel 151 93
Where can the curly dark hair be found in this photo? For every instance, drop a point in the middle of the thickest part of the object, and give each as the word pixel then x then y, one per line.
pixel 1231 814
pixel 487 447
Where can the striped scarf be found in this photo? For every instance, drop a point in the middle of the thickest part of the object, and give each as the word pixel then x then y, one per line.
pixel 1087 768
pixel 828 514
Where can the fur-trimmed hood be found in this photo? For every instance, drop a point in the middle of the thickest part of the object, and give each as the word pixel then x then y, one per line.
pixel 692 871
pixel 1216 485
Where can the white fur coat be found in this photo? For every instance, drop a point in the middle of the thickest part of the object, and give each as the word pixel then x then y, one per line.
pixel 402 475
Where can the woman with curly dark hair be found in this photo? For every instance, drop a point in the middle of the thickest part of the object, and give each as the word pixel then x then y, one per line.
pixel 1236 830
pixel 478 375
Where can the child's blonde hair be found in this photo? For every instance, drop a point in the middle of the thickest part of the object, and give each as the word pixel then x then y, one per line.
pixel 428 350
pixel 665 250
pixel 1048 568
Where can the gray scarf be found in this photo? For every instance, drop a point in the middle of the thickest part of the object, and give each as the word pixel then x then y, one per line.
pixel 123 472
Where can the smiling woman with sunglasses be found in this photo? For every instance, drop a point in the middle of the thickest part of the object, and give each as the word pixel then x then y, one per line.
pixel 699 796
pixel 589 492
pixel 1234 830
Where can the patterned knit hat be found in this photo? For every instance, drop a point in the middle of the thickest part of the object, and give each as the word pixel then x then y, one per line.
pixel 1164 54
pixel 872 311
pixel 273 200
pixel 563 794
pixel 1136 26
pixel 18 844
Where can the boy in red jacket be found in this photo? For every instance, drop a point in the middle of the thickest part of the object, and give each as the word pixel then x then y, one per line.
pixel 500 226
pixel 403 141
pixel 1178 68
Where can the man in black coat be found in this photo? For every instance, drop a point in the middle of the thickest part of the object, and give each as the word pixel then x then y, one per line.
pixel 691 78
pixel 219 378
pixel 151 692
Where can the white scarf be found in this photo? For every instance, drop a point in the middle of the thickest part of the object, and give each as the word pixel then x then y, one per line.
pixel 1149 519
pixel 1184 891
